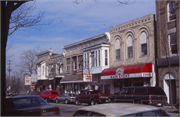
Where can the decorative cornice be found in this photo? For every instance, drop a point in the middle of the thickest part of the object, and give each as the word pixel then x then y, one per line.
pixel 106 34
pixel 132 24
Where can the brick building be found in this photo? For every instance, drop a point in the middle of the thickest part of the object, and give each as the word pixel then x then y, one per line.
pixel 167 12
pixel 132 54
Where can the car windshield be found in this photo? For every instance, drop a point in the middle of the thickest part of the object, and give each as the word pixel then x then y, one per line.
pixel 28 101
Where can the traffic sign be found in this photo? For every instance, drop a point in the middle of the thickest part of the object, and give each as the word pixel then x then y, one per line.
pixel 32 86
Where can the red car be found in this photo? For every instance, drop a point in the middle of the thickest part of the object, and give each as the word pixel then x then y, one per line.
pixel 49 95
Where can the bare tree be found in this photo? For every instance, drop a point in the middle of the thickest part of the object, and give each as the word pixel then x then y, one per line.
pixel 23 18
pixel 28 62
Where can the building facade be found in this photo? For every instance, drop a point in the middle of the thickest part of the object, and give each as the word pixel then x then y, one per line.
pixel 132 54
pixel 49 70
pixel 167 12
pixel 77 61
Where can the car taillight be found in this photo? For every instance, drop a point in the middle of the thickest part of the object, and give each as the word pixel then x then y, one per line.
pixel 99 95
pixel 149 97
pixel 72 98
pixel 55 110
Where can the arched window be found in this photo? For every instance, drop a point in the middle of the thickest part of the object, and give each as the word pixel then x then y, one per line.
pixel 117 49
pixel 143 43
pixel 129 47
pixel 171 10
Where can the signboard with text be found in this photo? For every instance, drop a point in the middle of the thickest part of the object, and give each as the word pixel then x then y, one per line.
pixel 27 80
pixel 87 77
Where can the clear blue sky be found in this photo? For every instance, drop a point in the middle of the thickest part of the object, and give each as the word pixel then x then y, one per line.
pixel 73 22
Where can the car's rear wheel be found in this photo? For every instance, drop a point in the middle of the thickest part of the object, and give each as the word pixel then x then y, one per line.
pixel 138 101
pixel 57 101
pixel 66 101
pixel 111 100
pixel 92 102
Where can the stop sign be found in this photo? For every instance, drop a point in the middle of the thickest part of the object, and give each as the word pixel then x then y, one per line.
pixel 32 86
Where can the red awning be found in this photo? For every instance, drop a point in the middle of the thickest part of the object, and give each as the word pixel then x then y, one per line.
pixel 140 70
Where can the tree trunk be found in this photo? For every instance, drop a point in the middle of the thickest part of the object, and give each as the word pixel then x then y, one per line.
pixel 3 57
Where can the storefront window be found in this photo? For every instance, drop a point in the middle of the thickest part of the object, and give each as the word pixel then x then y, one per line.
pixel 117 86
pixel 138 82
pixel 107 89
pixel 127 82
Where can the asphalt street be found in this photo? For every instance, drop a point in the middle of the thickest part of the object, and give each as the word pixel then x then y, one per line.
pixel 69 109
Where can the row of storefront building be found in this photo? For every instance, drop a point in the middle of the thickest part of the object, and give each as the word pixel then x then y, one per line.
pixel 131 54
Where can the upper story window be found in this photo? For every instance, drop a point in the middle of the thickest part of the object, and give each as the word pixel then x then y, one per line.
pixel 42 70
pixel 173 43
pixel 171 9
pixel 143 43
pixel 99 57
pixel 106 57
pixel 129 47
pixel 92 59
pixel 47 70
pixel 117 49
pixel 80 62
pixel 96 59
pixel 61 68
pixel 68 65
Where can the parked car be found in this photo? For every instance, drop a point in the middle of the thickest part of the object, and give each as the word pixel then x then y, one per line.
pixel 12 93
pixel 177 104
pixel 34 93
pixel 148 95
pixel 66 98
pixel 91 97
pixel 121 110
pixel 29 105
pixel 49 95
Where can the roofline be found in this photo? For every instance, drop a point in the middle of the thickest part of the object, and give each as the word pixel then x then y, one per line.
pixel 85 40
pixel 43 52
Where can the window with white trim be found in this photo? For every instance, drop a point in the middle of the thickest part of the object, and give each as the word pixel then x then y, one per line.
pixel 171 9
pixel 47 70
pixel 173 43
pixel 42 70
pixel 99 57
pixel 96 59
pixel 117 49
pixel 80 62
pixel 129 47
pixel 68 65
pixel 143 43
pixel 85 60
pixel 92 59
pixel 106 57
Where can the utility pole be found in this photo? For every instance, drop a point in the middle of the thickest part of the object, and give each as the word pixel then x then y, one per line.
pixel 9 70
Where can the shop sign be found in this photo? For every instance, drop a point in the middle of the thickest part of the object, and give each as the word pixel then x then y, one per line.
pixel 87 77
pixel 27 80
pixel 121 76
pixel 120 73
pixel 146 74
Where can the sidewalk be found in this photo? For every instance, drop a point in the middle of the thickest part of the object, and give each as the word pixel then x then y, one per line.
pixel 173 111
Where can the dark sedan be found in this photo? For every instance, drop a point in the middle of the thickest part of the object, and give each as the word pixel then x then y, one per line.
pixel 29 105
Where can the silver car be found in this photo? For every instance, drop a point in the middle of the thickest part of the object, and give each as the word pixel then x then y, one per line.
pixel 121 110
pixel 66 98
